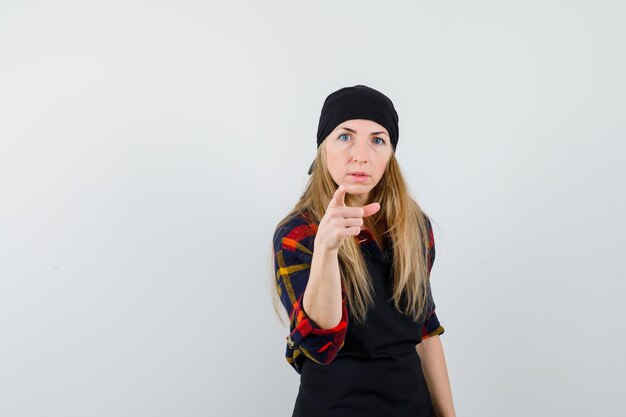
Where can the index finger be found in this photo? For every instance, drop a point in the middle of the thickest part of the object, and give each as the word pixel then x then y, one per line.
pixel 338 199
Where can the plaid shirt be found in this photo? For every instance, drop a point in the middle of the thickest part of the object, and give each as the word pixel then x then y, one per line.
pixel 293 254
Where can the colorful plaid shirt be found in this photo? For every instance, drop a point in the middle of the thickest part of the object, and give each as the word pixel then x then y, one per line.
pixel 293 254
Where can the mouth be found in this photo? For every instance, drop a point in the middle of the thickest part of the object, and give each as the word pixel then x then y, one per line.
pixel 359 177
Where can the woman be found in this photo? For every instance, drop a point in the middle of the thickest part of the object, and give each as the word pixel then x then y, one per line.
pixel 364 336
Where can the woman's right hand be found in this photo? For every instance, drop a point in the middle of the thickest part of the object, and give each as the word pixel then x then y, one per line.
pixel 341 221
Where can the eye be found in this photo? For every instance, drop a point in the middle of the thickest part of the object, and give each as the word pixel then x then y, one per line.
pixel 343 134
pixel 382 140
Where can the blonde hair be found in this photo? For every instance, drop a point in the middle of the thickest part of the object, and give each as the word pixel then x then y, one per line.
pixel 399 217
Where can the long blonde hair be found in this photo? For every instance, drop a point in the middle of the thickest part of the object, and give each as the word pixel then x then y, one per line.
pixel 399 217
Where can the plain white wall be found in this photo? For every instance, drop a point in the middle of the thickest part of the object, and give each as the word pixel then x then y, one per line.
pixel 148 149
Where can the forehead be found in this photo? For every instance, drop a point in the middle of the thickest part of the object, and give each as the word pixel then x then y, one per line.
pixel 362 126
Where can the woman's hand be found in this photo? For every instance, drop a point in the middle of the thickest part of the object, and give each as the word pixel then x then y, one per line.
pixel 341 221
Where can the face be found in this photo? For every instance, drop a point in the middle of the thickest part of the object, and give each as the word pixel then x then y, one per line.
pixel 358 146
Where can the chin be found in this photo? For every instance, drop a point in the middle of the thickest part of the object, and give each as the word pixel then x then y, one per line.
pixel 358 190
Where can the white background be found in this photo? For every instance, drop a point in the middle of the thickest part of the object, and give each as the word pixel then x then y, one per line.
pixel 148 149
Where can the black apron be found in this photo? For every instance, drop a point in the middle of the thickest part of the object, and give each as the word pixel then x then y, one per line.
pixel 377 372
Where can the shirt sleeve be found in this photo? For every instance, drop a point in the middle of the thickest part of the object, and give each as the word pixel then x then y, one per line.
pixel 431 326
pixel 293 254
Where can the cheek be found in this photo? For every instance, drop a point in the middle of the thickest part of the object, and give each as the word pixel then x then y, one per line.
pixel 333 160
pixel 380 168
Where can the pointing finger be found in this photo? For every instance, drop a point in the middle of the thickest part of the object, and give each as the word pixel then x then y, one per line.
pixel 338 199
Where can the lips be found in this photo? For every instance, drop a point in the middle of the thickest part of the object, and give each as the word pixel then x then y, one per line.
pixel 359 174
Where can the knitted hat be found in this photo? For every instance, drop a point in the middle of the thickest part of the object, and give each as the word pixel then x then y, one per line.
pixel 357 102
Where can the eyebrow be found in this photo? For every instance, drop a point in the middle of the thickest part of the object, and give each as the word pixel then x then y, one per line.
pixel 354 131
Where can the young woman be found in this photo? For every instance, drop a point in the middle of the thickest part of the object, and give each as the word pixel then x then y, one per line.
pixel 364 336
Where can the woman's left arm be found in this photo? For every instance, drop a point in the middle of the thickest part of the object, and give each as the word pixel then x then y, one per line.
pixel 430 351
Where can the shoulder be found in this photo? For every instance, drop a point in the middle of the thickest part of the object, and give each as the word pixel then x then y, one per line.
pixel 431 244
pixel 295 233
pixel 429 227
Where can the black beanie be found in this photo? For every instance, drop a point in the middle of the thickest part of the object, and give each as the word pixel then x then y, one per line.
pixel 358 102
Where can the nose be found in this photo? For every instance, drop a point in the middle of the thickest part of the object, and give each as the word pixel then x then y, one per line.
pixel 360 151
